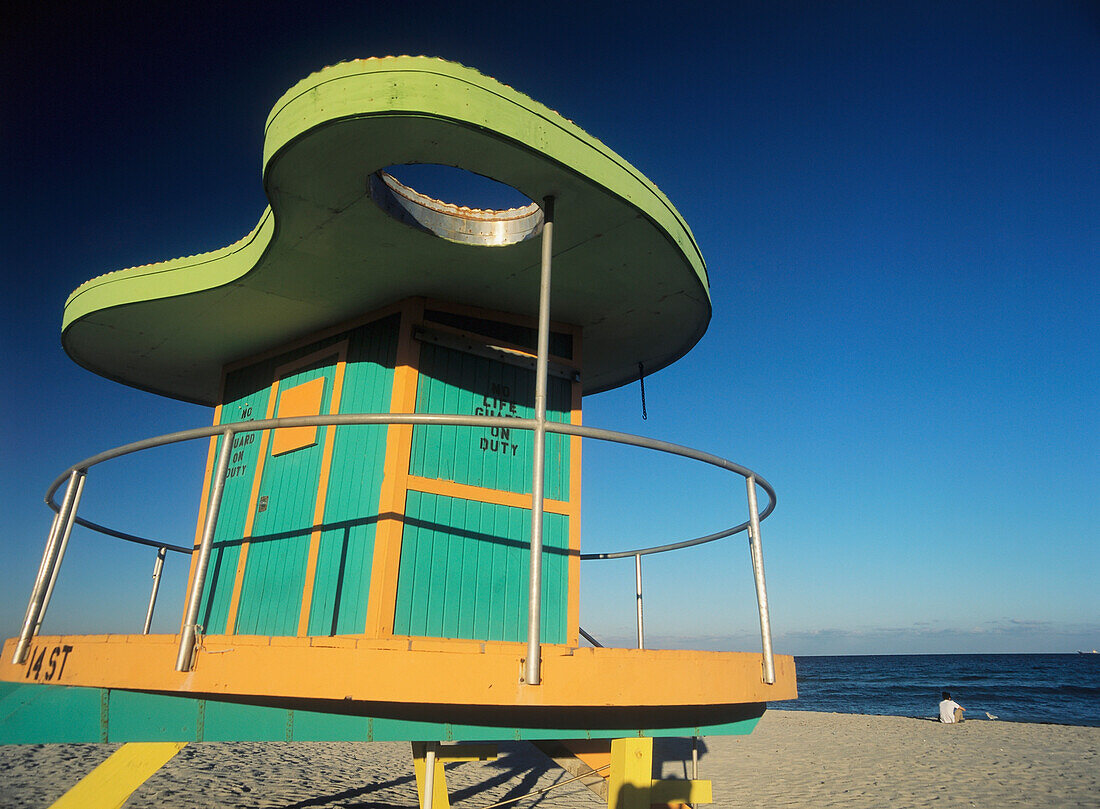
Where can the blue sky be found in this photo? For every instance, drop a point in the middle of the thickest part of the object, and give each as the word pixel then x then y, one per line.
pixel 899 207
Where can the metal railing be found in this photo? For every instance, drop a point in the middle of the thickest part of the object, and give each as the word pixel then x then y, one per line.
pixel 75 475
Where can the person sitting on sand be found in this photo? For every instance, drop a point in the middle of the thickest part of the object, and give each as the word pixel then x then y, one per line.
pixel 950 711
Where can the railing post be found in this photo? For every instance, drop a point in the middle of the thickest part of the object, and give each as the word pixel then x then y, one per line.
pixel 194 598
pixel 638 593
pixel 158 566
pixel 532 668
pixel 43 565
pixel 694 762
pixel 60 526
pixel 429 774
pixel 757 554
pixel 65 534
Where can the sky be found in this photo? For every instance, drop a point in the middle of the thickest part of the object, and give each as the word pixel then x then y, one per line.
pixel 899 206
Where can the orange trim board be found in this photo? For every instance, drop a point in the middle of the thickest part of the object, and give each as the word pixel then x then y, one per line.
pixel 449 488
pixel 339 351
pixel 573 609
pixel 205 500
pixel 301 400
pixel 459 673
pixel 382 597
pixel 322 490
pixel 250 516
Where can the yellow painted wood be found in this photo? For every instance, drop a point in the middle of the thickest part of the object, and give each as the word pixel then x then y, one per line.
pixel 110 784
pixel 448 488
pixel 596 753
pixel 382 598
pixel 678 792
pixel 400 671
pixel 322 489
pixel 631 774
pixel 211 453
pixel 250 514
pixel 440 800
pixel 301 400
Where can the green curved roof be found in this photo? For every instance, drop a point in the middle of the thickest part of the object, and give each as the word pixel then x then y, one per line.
pixel 626 267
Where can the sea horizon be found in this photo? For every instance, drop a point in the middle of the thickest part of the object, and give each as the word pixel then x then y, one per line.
pixel 1037 687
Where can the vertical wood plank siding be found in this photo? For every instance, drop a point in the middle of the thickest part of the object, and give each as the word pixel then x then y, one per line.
pixel 498 458
pixel 271 591
pixel 246 396
pixel 464 563
pixel 274 573
pixel 340 590
pixel 464 571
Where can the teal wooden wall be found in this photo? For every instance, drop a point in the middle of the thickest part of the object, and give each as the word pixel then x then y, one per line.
pixel 342 583
pixel 275 567
pixel 455 382
pixel 275 570
pixel 245 399
pixel 465 571
pixel 465 564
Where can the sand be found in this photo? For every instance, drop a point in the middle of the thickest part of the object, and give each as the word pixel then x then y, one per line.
pixel 799 758
pixel 794 758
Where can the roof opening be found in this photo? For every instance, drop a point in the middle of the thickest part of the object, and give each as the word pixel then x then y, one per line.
pixel 458 186
pixel 491 214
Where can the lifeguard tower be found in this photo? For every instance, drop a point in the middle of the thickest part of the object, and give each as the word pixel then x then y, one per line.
pixel 388 543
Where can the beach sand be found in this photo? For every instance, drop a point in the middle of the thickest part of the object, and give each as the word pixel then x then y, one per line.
pixel 799 758
pixel 794 758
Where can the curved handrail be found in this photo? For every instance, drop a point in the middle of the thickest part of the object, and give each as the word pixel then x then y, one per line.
pixel 66 513
pixel 111 532
pixel 673 449
pixel 439 419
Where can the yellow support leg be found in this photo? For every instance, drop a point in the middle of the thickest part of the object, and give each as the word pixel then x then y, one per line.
pixel 445 753
pixel 631 773
pixel 631 784
pixel 677 793
pixel 439 779
pixel 116 779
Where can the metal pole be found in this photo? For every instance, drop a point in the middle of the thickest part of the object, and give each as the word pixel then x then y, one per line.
pixel 45 569
pixel 429 774
pixel 532 673
pixel 638 592
pixel 191 614
pixel 158 565
pixel 757 554
pixel 694 762
pixel 589 638
pixel 66 533
pixel 45 552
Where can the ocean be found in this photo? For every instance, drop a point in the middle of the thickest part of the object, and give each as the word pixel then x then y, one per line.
pixel 1062 689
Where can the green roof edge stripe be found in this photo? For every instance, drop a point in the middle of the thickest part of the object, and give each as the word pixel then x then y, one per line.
pixel 162 280
pixel 321 98
pixel 566 143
